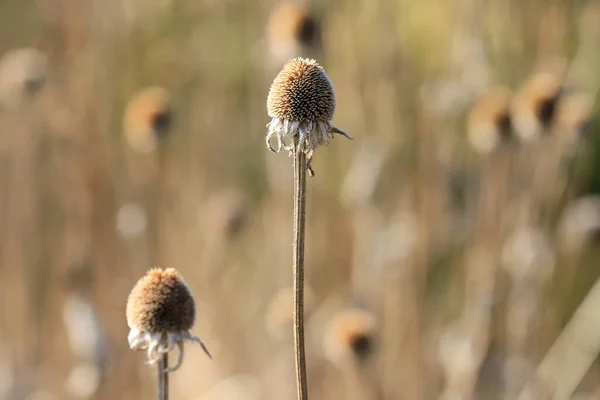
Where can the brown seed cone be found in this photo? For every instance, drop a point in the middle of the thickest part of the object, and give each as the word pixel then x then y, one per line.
pixel 302 91
pixel 161 302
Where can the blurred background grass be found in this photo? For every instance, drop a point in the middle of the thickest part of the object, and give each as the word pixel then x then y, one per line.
pixel 433 271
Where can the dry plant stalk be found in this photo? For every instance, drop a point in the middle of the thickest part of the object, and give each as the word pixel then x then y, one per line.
pixel 163 377
pixel 298 266
pixel 573 352
pixel 301 103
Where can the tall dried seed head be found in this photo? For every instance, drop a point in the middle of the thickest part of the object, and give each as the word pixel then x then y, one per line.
pixel 302 91
pixel 161 302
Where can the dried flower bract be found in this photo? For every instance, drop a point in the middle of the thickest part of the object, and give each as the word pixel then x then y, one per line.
pixel 160 313
pixel 301 103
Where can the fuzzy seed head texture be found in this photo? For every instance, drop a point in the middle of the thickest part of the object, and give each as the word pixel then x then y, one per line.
pixel 161 302
pixel 301 102
pixel 160 312
pixel 302 91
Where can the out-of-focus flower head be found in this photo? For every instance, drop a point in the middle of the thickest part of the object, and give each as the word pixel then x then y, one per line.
pixel 489 121
pixel 148 119
pixel 350 337
pixel 292 31
pixel 23 73
pixel 534 106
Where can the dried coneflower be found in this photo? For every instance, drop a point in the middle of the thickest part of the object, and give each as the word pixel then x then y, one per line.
pixel 489 122
pixel 292 31
pixel 301 103
pixel 534 106
pixel 22 75
pixel 160 313
pixel 350 336
pixel 148 119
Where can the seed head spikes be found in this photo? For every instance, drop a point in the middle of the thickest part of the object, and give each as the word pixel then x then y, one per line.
pixel 160 312
pixel 301 102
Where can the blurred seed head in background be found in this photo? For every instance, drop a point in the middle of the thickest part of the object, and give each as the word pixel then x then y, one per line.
pixel 148 119
pixel 292 31
pixel 534 106
pixel 23 73
pixel 350 337
pixel 489 121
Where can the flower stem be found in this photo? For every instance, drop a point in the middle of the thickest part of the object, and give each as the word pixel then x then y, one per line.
pixel 298 268
pixel 163 377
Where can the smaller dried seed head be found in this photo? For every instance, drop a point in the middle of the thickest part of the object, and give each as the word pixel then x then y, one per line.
pixel 350 336
pixel 301 103
pixel 302 91
pixel 161 302
pixel 489 122
pixel 160 313
pixel 534 106
pixel 23 73
pixel 292 31
pixel 148 118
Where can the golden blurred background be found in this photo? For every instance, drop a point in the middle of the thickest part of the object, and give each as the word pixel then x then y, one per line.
pixel 448 245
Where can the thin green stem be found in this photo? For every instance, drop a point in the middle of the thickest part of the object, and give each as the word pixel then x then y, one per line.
pixel 298 269
pixel 163 377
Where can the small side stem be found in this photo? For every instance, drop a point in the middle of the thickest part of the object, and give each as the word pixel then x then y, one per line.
pixel 298 269
pixel 163 377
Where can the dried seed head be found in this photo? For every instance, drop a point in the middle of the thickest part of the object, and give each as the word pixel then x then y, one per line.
pixel 301 103
pixel 489 122
pixel 22 75
pixel 350 336
pixel 302 91
pixel 161 302
pixel 160 313
pixel 148 118
pixel 534 106
pixel 292 31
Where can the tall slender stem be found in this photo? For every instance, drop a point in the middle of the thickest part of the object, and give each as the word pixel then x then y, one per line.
pixel 163 377
pixel 298 268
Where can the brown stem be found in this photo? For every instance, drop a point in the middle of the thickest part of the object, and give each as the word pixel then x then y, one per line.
pixel 298 268
pixel 163 377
